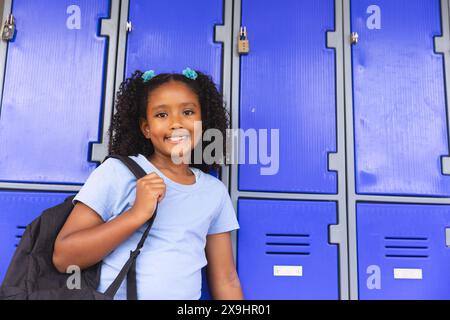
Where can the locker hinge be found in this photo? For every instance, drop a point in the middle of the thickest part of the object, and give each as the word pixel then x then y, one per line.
pixel 8 28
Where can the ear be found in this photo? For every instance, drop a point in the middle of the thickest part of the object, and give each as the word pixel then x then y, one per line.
pixel 145 128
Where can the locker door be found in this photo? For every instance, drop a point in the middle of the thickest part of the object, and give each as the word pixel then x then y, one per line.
pixel 283 249
pixel 403 251
pixel 52 96
pixel 168 36
pixel 399 98
pixel 287 82
pixel 17 210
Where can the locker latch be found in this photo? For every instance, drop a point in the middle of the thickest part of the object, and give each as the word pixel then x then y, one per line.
pixel 354 37
pixel 9 28
pixel 129 27
pixel 243 47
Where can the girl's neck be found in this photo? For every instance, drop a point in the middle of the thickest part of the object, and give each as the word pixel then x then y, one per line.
pixel 166 164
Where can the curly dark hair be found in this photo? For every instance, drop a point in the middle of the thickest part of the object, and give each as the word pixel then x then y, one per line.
pixel 125 135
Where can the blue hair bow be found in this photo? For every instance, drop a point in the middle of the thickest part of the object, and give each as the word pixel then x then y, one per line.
pixel 148 75
pixel 189 73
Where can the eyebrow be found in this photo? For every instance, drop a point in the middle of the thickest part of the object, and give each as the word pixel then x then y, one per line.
pixel 162 106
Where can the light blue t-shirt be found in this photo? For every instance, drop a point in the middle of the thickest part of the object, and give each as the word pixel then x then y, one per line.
pixel 169 265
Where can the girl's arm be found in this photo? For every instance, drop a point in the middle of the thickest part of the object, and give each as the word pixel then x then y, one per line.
pixel 222 276
pixel 85 239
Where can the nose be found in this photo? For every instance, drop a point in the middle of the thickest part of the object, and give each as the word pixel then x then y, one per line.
pixel 176 122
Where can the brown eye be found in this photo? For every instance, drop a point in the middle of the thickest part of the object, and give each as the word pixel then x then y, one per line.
pixel 161 115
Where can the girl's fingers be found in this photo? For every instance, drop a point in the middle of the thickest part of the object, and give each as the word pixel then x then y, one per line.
pixel 152 178
pixel 158 192
pixel 154 185
pixel 151 175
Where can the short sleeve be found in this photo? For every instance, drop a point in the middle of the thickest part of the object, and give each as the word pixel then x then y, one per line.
pixel 226 219
pixel 99 192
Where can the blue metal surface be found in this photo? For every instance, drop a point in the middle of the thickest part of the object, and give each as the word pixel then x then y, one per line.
pixel 288 83
pixel 52 97
pixel 169 36
pixel 403 236
pixel 399 100
pixel 287 232
pixel 17 210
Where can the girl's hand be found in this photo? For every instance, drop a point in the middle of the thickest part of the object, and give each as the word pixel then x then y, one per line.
pixel 150 190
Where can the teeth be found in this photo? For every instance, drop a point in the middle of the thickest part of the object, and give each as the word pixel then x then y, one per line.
pixel 176 138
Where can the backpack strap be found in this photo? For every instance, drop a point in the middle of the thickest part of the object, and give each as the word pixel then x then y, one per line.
pixel 130 266
pixel 135 168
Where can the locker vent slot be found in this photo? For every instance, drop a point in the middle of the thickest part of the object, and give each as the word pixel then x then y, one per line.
pixel 406 238
pixel 406 247
pixel 287 244
pixel 403 256
pixel 291 253
pixel 19 230
pixel 287 235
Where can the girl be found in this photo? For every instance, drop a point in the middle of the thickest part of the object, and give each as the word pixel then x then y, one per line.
pixel 157 118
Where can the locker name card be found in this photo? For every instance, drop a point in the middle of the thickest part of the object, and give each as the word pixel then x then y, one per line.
pixel 412 274
pixel 288 271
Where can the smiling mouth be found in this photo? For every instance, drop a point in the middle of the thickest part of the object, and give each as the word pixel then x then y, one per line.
pixel 176 139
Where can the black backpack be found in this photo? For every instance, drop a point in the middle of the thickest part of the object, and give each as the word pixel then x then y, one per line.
pixel 31 274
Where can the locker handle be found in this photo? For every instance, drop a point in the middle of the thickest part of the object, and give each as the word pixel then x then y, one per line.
pixel 447 237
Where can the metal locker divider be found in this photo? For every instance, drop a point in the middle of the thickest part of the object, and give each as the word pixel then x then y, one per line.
pixel 17 210
pixel 403 251
pixel 283 249
pixel 53 91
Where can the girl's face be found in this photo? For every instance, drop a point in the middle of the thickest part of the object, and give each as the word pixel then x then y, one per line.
pixel 173 119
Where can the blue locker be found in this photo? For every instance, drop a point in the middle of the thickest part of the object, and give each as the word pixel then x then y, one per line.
pixel 399 98
pixel 52 99
pixel 287 82
pixel 17 210
pixel 283 250
pixel 169 36
pixel 403 251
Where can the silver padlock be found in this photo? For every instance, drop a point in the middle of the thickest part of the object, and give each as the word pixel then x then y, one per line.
pixel 243 46
pixel 9 28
